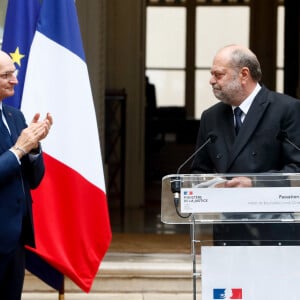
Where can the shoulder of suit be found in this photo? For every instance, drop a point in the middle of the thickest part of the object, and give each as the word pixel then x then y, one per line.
pixel 282 97
pixel 271 96
pixel 9 108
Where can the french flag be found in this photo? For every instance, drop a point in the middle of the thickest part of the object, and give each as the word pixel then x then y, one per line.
pixel 72 226
pixel 228 293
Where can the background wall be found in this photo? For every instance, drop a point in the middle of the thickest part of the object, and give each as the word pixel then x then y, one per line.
pixel 113 34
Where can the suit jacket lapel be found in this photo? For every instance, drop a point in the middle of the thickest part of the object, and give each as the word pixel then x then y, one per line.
pixel 226 135
pixel 11 124
pixel 252 119
pixel 227 128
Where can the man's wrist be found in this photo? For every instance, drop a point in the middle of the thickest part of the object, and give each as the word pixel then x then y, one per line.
pixel 36 151
pixel 17 148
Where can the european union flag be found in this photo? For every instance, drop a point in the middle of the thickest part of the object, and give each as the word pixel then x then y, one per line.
pixel 19 29
pixel 20 25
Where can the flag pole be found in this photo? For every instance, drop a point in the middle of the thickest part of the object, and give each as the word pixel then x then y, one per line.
pixel 61 292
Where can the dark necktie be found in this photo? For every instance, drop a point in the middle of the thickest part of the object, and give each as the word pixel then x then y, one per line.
pixel 4 132
pixel 238 119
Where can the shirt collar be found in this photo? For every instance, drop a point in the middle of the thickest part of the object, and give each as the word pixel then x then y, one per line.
pixel 245 105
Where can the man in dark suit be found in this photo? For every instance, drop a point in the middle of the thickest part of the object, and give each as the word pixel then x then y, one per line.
pixel 21 169
pixel 248 143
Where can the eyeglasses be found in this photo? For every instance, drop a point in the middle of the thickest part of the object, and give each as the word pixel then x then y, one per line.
pixel 9 74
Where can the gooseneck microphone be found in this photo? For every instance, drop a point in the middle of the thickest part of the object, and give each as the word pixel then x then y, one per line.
pixel 283 137
pixel 176 182
pixel 210 139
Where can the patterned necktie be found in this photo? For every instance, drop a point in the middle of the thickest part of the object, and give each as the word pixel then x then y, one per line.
pixel 4 132
pixel 238 119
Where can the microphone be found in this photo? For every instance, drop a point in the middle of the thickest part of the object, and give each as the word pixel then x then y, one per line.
pixel 210 139
pixel 283 137
pixel 176 182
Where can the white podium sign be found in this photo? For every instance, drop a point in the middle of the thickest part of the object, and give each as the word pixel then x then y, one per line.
pixel 220 200
pixel 250 272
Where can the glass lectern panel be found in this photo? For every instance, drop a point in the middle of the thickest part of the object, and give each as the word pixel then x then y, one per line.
pixel 210 199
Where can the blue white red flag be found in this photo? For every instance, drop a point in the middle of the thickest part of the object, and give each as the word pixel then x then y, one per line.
pixel 70 209
pixel 228 293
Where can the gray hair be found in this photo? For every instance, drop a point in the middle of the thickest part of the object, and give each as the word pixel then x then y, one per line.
pixel 241 58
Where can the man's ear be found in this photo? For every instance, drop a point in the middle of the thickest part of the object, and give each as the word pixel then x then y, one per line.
pixel 244 74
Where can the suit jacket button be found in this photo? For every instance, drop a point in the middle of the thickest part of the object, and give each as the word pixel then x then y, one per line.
pixel 219 156
pixel 253 153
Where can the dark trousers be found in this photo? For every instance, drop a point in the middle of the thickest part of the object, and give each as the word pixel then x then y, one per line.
pixel 12 272
pixel 256 234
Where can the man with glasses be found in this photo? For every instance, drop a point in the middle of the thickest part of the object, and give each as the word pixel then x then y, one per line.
pixel 21 169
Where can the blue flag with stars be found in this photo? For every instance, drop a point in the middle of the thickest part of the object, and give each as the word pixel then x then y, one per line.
pixel 19 29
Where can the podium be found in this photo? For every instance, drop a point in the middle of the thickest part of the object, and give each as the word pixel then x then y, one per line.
pixel 204 199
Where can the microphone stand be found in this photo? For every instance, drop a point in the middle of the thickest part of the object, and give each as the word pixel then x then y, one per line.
pixel 176 181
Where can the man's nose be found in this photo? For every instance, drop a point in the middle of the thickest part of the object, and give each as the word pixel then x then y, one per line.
pixel 212 80
pixel 14 79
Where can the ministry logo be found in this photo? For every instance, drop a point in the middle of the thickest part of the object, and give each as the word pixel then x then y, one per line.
pixel 227 294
